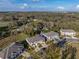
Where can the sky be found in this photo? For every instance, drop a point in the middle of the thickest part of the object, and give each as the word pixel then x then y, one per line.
pixel 39 5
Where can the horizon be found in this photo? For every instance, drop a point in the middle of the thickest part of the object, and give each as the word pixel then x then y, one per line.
pixel 39 5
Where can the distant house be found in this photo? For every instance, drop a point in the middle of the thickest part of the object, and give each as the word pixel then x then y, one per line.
pixel 35 19
pixel 50 35
pixel 34 41
pixel 67 32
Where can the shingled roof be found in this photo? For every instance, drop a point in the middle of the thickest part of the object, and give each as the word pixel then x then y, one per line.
pixel 67 30
pixel 35 39
pixel 50 34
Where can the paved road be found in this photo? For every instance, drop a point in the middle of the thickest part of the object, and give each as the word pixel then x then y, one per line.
pixel 72 40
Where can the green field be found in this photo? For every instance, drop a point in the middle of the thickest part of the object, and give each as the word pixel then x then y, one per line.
pixel 4 24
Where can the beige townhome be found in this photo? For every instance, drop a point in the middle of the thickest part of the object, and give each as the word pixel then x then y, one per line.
pixel 67 32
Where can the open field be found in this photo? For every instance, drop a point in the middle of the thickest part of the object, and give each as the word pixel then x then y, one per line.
pixel 7 41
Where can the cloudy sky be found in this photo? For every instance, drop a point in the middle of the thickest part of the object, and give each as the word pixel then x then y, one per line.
pixel 39 5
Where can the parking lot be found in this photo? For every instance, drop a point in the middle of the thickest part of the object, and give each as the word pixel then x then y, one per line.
pixel 13 51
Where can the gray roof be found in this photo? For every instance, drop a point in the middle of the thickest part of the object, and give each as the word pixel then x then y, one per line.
pixel 67 30
pixel 50 34
pixel 35 39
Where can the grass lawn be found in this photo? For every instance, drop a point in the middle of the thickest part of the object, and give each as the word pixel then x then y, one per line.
pixel 21 37
pixel 3 24
pixel 7 41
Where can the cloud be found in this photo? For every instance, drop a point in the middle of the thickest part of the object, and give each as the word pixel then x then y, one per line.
pixel 77 6
pixel 23 6
pixel 60 7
